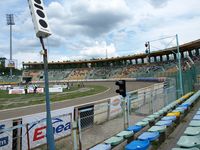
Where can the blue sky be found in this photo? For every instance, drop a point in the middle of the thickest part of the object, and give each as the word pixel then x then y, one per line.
pixel 85 29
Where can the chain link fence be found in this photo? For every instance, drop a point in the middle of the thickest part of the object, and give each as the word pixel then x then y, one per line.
pixel 106 119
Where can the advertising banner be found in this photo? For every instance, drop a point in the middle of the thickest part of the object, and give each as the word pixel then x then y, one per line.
pixel 16 91
pixel 61 121
pixel 56 90
pixel 6 135
pixel 115 106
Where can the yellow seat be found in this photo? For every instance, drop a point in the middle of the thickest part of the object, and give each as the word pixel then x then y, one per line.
pixel 177 114
pixel 178 101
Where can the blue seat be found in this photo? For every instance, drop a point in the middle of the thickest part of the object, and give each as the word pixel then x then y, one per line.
pixel 134 128
pixel 138 145
pixel 182 107
pixel 150 136
pixel 166 118
pixel 101 147
pixel 185 105
pixel 164 123
pixel 196 117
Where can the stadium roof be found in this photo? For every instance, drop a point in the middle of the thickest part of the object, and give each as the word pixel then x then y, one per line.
pixel 184 47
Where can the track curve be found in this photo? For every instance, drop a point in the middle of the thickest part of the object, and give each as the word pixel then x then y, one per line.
pixel 28 110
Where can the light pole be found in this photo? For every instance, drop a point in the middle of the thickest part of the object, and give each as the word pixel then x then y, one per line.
pixel 179 66
pixel 147 45
pixel 10 21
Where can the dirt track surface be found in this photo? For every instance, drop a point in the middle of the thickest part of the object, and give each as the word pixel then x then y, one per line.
pixel 22 111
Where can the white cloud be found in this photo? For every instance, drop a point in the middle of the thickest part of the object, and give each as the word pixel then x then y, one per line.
pixel 100 49
pixel 83 29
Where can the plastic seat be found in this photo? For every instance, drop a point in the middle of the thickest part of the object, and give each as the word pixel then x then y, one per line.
pixel 150 136
pixel 198 113
pixel 185 105
pixel 155 116
pixel 134 128
pixel 114 140
pixel 159 129
pixel 194 148
pixel 189 141
pixel 177 114
pixel 148 119
pixel 192 131
pixel 164 123
pixel 125 134
pixel 194 123
pixel 101 147
pixel 173 118
pixel 138 145
pixel 159 113
pixel 182 107
pixel 196 117
pixel 142 123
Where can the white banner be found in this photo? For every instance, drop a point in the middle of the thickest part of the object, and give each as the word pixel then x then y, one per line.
pixel 6 136
pixel 16 91
pixel 61 121
pixel 115 106
pixel 56 90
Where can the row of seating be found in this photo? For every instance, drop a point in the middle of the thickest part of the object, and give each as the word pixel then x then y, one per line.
pixel 191 138
pixel 157 125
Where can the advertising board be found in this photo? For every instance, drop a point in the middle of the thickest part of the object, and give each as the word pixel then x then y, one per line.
pixel 5 135
pixel 115 106
pixel 61 121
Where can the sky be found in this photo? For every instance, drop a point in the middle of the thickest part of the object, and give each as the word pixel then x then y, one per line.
pixel 88 29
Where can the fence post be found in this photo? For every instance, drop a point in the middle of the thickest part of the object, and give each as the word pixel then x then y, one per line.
pixel 27 135
pixel 74 129
pixel 79 131
pixel 108 112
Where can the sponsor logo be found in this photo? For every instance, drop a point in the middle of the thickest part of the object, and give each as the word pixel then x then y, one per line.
pixel 3 140
pixel 115 102
pixel 59 126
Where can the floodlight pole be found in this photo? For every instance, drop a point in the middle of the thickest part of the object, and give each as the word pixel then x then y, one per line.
pixel 49 129
pixel 10 22
pixel 179 66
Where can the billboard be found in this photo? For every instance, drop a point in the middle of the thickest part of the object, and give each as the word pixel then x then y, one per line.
pixel 36 126
pixel 10 63
pixel 115 106
pixel 6 135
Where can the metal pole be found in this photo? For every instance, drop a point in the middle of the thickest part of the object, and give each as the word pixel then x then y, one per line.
pixel 180 67
pixel 49 129
pixel 10 48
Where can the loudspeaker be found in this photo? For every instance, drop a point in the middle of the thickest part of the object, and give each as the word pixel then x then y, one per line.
pixel 39 18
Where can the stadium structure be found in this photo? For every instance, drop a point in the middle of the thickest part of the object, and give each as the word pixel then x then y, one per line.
pixel 152 113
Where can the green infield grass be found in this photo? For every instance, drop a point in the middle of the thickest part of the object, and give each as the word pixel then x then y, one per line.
pixel 15 100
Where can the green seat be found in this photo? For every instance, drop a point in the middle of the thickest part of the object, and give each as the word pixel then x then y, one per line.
pixel 192 131
pixel 189 141
pixel 194 148
pixel 160 129
pixel 142 123
pixel 125 134
pixel 194 123
pixel 148 119
pixel 114 140
pixel 155 116
pixel 161 112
